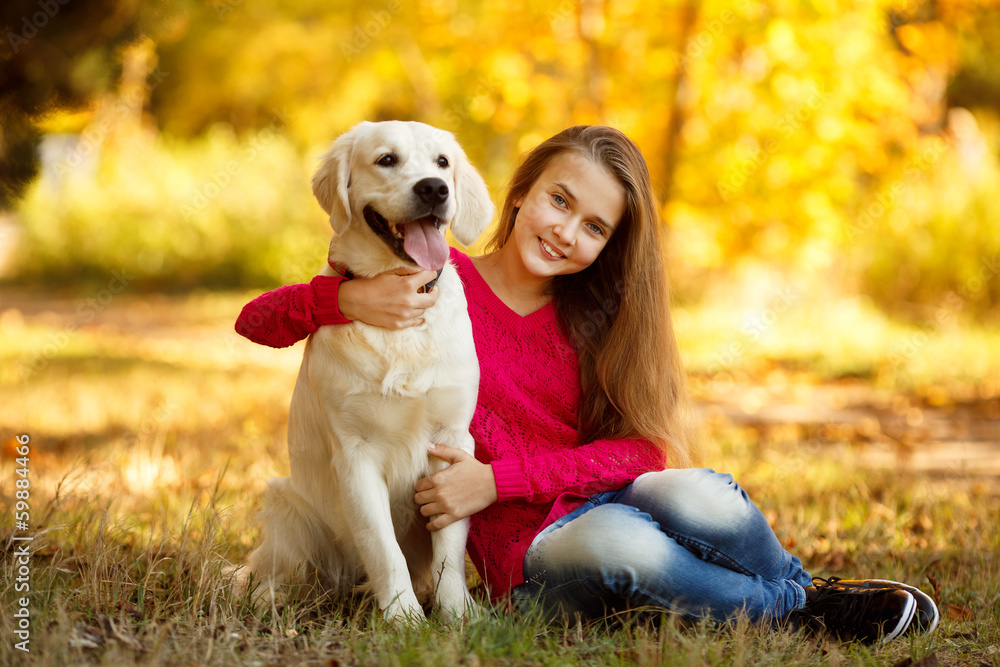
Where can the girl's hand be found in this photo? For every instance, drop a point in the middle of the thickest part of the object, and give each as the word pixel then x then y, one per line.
pixel 458 491
pixel 389 300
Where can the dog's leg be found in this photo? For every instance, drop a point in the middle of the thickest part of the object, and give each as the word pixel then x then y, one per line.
pixel 448 562
pixel 450 590
pixel 366 499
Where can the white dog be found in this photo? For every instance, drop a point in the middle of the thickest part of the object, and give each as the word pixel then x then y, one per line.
pixel 368 400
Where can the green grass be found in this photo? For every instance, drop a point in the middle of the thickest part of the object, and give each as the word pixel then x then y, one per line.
pixel 154 428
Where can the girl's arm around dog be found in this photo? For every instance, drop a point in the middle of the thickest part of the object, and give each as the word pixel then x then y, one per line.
pixel 288 314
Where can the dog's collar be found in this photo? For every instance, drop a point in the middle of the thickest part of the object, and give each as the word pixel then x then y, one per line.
pixel 429 286
pixel 341 270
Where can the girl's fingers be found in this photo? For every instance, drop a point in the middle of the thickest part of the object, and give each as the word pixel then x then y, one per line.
pixel 446 453
pixel 440 521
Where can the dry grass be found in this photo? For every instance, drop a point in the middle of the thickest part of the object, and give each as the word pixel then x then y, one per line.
pixel 154 427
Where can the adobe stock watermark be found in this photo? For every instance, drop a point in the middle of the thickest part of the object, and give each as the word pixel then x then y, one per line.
pixel 87 311
pixel 564 12
pixel 600 316
pixel 21 554
pixel 954 301
pixel 459 112
pixel 223 7
pixel 755 325
pixel 904 12
pixel 252 320
pixel 362 35
pixel 886 198
pixel 222 178
pixel 737 176
pixel 94 134
pixel 48 9
pixel 151 423
pixel 698 46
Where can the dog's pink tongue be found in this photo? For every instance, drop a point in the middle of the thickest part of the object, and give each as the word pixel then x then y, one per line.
pixel 425 244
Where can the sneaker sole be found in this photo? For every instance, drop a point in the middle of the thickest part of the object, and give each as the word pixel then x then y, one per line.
pixel 904 620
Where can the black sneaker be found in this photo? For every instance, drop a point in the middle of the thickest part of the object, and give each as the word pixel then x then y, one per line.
pixel 927 616
pixel 868 615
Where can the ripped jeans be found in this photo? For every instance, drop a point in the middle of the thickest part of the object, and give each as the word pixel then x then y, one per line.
pixel 685 540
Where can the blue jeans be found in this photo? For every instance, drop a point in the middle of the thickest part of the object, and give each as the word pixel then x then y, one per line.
pixel 688 541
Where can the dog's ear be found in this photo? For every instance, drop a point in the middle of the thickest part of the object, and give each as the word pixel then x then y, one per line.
pixel 475 210
pixel 332 179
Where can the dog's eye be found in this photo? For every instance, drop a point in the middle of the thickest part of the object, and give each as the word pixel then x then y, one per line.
pixel 442 161
pixel 389 160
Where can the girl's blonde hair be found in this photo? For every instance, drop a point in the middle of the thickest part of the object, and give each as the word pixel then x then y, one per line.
pixel 617 310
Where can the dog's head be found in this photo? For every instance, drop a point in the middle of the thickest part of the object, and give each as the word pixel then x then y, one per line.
pixel 404 183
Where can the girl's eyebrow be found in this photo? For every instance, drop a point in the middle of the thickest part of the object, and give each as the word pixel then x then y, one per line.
pixel 569 193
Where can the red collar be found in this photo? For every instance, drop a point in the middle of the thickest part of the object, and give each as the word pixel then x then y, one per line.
pixel 340 269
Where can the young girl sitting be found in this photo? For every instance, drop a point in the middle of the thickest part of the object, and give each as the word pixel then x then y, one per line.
pixel 580 493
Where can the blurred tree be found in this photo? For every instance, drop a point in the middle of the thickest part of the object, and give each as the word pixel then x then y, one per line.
pixel 976 80
pixel 56 54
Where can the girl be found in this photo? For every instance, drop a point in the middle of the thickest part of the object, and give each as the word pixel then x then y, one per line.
pixel 580 495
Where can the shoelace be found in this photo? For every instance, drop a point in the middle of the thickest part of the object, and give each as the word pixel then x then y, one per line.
pixel 827 582
pixel 840 606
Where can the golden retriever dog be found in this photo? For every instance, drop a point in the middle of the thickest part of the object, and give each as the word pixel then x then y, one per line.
pixel 368 400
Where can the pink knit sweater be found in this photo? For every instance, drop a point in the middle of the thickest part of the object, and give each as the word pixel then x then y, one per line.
pixel 525 423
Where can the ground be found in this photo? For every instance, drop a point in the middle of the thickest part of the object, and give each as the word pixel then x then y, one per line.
pixel 152 428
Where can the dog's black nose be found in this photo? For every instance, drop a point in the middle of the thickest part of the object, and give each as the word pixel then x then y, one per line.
pixel 431 191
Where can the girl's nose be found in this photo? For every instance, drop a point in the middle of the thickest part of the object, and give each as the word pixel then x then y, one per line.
pixel 566 232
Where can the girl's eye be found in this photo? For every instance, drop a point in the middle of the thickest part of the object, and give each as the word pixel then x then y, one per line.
pixel 559 200
pixel 596 228
pixel 442 161
pixel 389 160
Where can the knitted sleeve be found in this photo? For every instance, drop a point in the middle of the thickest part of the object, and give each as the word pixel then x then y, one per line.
pixel 288 314
pixel 602 465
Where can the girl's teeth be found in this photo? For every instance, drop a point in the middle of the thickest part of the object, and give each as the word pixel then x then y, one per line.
pixel 549 250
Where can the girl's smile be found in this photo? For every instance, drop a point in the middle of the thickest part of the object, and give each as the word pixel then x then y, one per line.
pixel 550 251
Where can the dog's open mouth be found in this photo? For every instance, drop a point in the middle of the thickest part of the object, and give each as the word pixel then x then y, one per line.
pixel 419 241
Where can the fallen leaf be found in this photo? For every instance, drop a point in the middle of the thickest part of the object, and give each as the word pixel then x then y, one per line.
pixel 958 612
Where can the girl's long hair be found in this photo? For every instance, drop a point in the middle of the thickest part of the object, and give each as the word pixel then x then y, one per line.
pixel 617 310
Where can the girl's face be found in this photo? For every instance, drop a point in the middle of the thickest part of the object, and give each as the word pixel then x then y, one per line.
pixel 567 216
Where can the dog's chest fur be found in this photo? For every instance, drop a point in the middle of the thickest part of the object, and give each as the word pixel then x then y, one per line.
pixel 397 389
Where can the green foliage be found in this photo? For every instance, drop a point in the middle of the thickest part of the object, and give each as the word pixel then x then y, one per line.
pixel 179 214
pixel 931 238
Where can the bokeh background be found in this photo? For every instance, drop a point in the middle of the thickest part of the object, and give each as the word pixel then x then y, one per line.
pixel 843 147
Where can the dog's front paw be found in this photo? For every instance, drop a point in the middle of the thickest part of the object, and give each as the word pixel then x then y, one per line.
pixel 403 618
pixel 238 577
pixel 401 613
pixel 461 610
pixel 259 593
